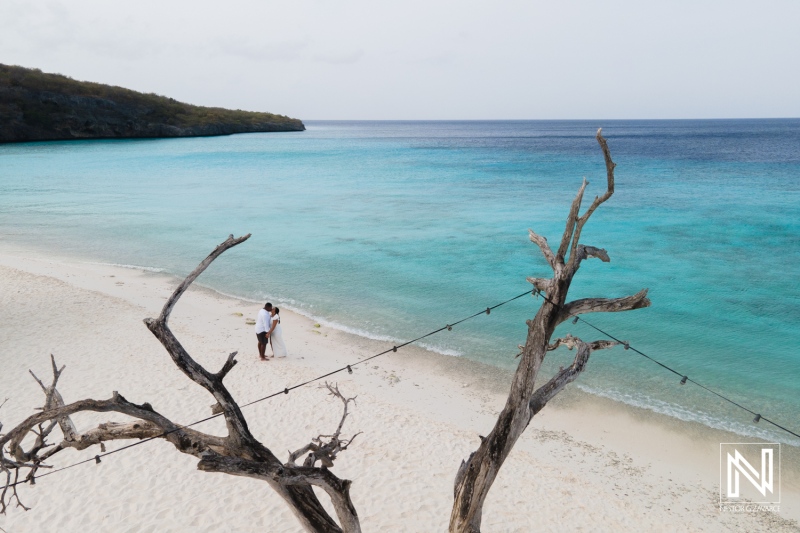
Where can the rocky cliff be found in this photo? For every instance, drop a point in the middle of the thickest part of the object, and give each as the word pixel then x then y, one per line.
pixel 35 106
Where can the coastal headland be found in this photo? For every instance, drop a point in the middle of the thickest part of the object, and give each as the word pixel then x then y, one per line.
pixel 585 464
pixel 37 106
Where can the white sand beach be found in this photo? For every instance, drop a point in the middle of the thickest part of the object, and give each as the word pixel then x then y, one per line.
pixel 585 464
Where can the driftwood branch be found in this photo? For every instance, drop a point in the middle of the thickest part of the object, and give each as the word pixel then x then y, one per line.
pixel 148 424
pixel 603 305
pixel 237 453
pixel 9 469
pixel 185 439
pixel 234 420
pixel 227 367
pixel 229 243
pixel 299 478
pixel 53 399
pixel 598 200
pixel 541 242
pixel 542 284
pixel 585 252
pixel 325 448
pixel 572 218
pixel 556 384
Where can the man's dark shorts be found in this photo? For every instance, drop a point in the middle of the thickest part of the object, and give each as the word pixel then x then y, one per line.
pixel 262 337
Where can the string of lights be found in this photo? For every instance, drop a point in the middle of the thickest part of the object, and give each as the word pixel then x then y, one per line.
pixel 684 378
pixel 349 368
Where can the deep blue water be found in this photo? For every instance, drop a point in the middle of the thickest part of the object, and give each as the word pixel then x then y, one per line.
pixel 393 229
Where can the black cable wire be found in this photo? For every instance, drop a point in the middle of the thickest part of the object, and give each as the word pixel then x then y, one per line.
pixel 683 376
pixel 286 390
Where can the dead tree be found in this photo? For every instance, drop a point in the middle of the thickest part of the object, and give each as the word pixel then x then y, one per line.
pixel 477 474
pixel 238 453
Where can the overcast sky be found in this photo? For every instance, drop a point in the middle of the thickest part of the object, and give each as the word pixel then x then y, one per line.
pixel 431 59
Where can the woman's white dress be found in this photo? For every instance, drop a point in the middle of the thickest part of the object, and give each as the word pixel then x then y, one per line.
pixel 276 339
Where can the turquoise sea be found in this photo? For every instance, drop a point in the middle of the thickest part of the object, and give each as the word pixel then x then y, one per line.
pixel 392 229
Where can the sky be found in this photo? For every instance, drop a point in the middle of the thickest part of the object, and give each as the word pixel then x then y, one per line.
pixel 428 60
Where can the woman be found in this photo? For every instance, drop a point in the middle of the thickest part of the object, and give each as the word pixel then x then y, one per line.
pixel 276 335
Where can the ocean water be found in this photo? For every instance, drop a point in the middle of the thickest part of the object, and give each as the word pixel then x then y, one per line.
pixel 392 229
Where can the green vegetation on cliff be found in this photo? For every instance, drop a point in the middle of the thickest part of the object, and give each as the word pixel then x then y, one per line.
pixel 35 106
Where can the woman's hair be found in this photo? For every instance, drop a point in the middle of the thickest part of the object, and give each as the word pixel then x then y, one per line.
pixel 277 311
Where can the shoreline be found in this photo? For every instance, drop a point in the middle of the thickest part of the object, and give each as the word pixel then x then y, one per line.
pixel 713 424
pixel 141 138
pixel 650 448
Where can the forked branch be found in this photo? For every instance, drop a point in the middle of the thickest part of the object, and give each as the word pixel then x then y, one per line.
pixel 325 448
pixel 547 392
pixel 598 200
pixel 572 218
pixel 147 424
pixel 53 399
pixel 235 421
pixel 238 453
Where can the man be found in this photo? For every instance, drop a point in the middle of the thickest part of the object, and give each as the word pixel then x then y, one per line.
pixel 263 325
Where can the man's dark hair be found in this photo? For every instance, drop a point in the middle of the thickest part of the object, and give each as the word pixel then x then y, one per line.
pixel 268 306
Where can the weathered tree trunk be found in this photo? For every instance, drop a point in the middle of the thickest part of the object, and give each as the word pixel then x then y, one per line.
pixel 477 474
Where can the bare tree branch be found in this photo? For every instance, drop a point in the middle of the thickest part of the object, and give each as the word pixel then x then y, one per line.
pixel 238 453
pixel 227 367
pixel 603 305
pixel 572 218
pixel 9 492
pixel 542 284
pixel 320 450
pixel 234 420
pixel 229 243
pixel 541 242
pixel 610 166
pixel 556 384
pixel 148 424
pixel 184 439
pixel 299 477
pixel 53 399
pixel 585 252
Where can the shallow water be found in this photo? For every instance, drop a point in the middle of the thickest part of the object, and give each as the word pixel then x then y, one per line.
pixel 392 229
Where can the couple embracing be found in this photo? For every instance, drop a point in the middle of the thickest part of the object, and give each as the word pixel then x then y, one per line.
pixel 268 331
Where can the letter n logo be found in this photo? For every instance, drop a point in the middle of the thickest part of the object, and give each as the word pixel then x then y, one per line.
pixel 737 464
pixel 748 473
